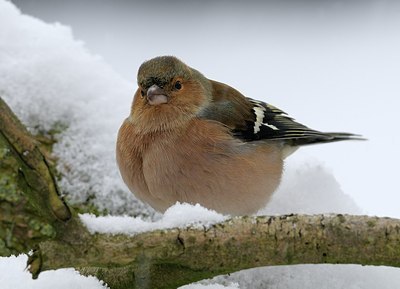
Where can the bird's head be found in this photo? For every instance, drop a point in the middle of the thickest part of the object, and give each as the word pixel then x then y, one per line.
pixel 169 93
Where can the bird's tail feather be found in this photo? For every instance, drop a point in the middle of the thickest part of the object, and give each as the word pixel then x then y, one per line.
pixel 323 137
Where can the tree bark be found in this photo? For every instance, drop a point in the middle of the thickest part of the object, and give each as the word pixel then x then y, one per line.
pixel 34 217
pixel 170 258
pixel 30 205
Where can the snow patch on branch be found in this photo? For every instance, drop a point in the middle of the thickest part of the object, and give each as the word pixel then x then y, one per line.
pixel 177 216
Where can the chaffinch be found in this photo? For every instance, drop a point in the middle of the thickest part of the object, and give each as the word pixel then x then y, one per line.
pixel 195 140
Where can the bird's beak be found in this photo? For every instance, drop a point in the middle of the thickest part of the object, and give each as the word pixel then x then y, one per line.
pixel 156 95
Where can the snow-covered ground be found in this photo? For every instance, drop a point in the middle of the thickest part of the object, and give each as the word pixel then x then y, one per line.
pixel 50 79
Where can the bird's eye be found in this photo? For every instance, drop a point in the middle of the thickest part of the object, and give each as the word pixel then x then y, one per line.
pixel 178 85
pixel 142 93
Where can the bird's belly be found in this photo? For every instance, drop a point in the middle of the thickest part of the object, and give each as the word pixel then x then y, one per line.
pixel 221 176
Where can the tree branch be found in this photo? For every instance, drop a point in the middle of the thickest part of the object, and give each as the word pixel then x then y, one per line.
pixel 237 244
pixel 30 203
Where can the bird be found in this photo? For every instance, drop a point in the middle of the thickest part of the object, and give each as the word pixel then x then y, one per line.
pixel 190 139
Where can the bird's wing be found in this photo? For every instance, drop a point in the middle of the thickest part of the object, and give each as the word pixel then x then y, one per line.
pixel 252 120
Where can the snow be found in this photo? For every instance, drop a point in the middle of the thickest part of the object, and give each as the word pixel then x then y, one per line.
pixel 52 81
pixel 211 286
pixel 308 187
pixel 325 276
pixel 13 275
pixel 177 216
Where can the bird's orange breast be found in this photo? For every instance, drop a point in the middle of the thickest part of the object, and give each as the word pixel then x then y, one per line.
pixel 200 163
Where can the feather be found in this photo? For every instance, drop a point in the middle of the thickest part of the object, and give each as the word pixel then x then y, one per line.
pixel 252 120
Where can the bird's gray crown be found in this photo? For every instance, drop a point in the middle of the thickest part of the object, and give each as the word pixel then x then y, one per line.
pixel 161 70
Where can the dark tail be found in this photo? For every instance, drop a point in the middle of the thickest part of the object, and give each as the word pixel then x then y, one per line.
pixel 324 137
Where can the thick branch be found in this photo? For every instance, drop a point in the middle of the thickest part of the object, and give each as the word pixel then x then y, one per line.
pixel 234 245
pixel 29 201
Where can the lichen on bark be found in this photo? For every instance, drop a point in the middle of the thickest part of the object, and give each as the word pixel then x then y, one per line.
pixel 29 200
